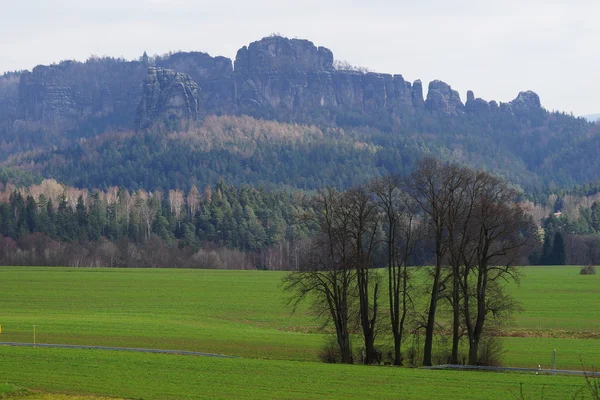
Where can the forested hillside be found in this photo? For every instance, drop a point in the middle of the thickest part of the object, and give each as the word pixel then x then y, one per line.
pixel 189 159
pixel 244 150
pixel 284 113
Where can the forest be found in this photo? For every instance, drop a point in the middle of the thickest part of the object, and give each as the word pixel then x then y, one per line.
pixel 221 227
pixel 535 154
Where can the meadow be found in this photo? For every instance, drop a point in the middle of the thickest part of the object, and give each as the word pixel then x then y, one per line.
pixel 244 313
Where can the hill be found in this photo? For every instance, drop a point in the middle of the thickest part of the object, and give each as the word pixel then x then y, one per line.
pixel 149 121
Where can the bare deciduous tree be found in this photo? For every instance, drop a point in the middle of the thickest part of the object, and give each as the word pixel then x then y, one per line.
pixel 326 271
pixel 434 185
pixel 361 213
pixel 401 235
pixel 499 231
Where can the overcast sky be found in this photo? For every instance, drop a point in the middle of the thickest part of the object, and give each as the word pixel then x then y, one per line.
pixel 494 48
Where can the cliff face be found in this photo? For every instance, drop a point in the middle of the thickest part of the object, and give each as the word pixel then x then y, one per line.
pixel 168 95
pixel 279 73
pixel 9 98
pixel 212 74
pixel 273 74
pixel 70 93
pixel 441 97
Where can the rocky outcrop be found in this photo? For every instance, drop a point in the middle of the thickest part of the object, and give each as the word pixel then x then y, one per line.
pixel 212 74
pixel 284 74
pixel 276 53
pixel 168 95
pixel 442 98
pixel 526 101
pixel 477 105
pixel 417 95
pixel 9 98
pixel 69 93
pixel 273 77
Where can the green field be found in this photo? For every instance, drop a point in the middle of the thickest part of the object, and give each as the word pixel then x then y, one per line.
pixel 244 313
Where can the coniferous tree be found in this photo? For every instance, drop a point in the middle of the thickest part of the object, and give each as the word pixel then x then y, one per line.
pixel 31 214
pixel 596 216
pixel 546 257
pixel 559 255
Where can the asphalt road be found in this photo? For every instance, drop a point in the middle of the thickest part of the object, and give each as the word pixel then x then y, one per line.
pixel 513 369
pixel 157 351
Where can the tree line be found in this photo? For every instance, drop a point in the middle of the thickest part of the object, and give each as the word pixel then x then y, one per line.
pixel 466 222
pixel 570 240
pixel 194 229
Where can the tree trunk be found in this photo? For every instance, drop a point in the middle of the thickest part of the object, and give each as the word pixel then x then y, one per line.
pixel 429 327
pixel 397 349
pixel 473 347
pixel 456 316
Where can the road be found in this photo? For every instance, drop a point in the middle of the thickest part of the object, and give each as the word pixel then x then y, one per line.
pixel 514 369
pixel 74 346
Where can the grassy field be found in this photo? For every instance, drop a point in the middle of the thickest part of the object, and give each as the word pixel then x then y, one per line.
pixel 244 313
pixel 151 376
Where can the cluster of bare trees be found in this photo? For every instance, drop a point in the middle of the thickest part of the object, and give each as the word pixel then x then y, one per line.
pixel 466 221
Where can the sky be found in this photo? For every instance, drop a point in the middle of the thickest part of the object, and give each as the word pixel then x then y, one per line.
pixel 495 48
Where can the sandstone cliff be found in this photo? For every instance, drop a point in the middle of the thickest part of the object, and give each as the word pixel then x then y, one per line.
pixel 167 95
pixel 212 74
pixel 9 97
pixel 274 76
pixel 280 73
pixel 70 92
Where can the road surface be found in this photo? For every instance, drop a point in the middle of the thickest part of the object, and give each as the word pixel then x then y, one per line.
pixel 74 346
pixel 513 369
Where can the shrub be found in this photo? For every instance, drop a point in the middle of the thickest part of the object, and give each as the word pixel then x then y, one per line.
pixel 412 355
pixel 588 270
pixel 330 353
pixel 490 351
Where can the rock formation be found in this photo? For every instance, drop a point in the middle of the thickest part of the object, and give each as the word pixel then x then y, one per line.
pixel 71 92
pixel 526 101
pixel 212 74
pixel 441 97
pixel 168 95
pixel 9 97
pixel 478 105
pixel 273 77
pixel 282 73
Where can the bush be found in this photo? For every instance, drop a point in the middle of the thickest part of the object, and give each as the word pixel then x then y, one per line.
pixel 588 270
pixel 330 353
pixel 412 355
pixel 377 357
pixel 490 351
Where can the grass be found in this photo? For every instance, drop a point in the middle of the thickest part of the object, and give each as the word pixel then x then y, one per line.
pixel 244 313
pixel 558 298
pixel 8 390
pixel 152 376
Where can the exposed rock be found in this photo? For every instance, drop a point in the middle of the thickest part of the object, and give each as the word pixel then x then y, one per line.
pixel 441 97
pixel 276 72
pixel 402 93
pixel 71 92
pixel 476 105
pixel 9 98
pixel 526 101
pixel 417 95
pixel 284 74
pixel 274 77
pixel 212 74
pixel 168 95
pixel 277 53
pixel 470 96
